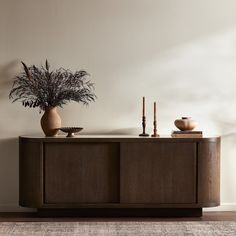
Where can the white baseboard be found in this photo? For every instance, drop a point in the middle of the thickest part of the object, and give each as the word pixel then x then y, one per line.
pixel 222 207
pixel 16 208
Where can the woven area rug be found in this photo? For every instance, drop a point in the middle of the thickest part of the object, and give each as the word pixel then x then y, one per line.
pixel 222 228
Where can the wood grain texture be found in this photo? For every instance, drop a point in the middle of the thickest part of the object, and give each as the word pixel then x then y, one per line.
pixel 30 174
pixel 81 173
pixel 158 173
pixel 209 174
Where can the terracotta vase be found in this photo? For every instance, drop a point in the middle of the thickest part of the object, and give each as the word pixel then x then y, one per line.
pixel 185 124
pixel 50 122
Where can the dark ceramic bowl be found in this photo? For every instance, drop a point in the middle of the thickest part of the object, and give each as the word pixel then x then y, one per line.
pixel 71 131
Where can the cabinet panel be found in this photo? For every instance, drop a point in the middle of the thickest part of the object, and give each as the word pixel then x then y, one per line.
pixel 158 172
pixel 30 174
pixel 81 173
pixel 209 174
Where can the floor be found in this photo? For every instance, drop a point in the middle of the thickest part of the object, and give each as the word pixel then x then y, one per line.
pixel 33 217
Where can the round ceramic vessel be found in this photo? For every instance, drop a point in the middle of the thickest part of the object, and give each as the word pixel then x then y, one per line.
pixel 50 122
pixel 185 124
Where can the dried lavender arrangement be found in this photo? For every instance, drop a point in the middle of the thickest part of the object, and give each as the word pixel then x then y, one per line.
pixel 40 87
pixel 46 89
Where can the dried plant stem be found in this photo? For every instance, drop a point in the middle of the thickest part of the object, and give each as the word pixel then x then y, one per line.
pixel 40 87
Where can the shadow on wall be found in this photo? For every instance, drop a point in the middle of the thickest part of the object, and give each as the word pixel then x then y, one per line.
pixel 8 146
pixel 197 78
pixel 124 131
pixel 9 172
pixel 6 75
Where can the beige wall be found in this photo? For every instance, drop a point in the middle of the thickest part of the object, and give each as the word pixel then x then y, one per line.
pixel 181 53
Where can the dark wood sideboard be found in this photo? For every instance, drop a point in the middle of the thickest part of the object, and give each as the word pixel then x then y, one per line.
pixel 119 175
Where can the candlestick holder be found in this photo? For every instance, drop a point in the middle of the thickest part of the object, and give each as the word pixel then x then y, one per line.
pixel 155 129
pixel 144 134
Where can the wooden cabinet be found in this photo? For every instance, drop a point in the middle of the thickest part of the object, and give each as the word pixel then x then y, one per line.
pixel 131 174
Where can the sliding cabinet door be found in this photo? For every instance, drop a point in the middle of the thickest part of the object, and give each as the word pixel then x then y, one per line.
pixel 159 173
pixel 81 173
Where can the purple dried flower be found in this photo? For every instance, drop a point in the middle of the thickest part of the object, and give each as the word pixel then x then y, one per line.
pixel 39 87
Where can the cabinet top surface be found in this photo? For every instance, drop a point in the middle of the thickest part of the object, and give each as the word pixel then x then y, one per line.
pixel 116 138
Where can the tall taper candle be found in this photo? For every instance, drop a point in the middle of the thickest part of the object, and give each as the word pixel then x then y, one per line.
pixel 143 106
pixel 155 110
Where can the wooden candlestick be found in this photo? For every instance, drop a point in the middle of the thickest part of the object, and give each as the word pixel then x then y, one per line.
pixel 144 127
pixel 155 123
pixel 155 129
pixel 144 121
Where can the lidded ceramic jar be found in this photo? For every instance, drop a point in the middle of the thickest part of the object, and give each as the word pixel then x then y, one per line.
pixel 185 124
